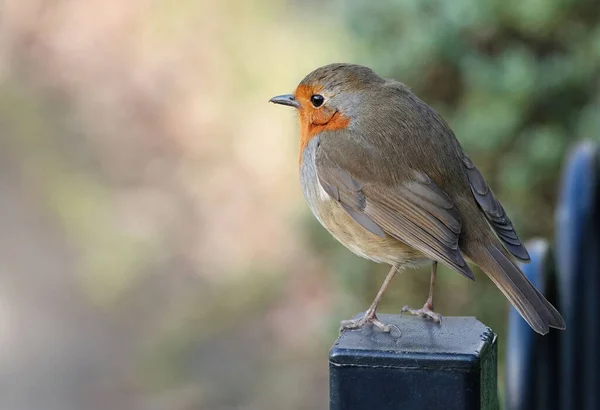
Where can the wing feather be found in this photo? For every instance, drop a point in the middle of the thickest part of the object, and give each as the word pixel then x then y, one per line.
pixel 494 212
pixel 416 212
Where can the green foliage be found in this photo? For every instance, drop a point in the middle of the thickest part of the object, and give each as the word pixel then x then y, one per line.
pixel 517 80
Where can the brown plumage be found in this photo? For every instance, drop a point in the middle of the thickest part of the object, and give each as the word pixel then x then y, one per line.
pixel 385 175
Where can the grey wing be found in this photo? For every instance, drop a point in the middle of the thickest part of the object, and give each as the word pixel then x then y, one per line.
pixel 494 212
pixel 416 212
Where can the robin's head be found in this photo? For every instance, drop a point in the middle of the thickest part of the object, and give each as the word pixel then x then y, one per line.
pixel 329 97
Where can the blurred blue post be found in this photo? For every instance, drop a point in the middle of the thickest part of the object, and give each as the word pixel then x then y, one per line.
pixel 562 370
pixel 532 360
pixel 578 245
pixel 418 365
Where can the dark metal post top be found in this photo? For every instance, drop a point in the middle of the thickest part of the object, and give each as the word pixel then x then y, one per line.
pixel 419 364
pixel 414 341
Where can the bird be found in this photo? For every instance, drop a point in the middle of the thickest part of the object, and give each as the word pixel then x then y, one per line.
pixel 383 173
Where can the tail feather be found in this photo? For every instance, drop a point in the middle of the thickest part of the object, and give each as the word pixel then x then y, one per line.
pixel 529 302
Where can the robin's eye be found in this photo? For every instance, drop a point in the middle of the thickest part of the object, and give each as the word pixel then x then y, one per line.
pixel 317 100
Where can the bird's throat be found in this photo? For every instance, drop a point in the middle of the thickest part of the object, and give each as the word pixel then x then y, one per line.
pixel 319 122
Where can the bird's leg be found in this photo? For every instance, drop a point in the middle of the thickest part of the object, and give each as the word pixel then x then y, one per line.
pixel 370 315
pixel 427 309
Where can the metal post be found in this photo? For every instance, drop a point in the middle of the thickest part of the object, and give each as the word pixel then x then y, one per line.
pixel 418 365
pixel 578 244
pixel 533 361
pixel 562 369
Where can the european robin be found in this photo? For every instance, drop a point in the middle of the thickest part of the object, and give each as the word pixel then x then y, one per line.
pixel 385 175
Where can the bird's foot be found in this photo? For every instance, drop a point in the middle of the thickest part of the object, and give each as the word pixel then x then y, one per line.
pixel 425 311
pixel 369 318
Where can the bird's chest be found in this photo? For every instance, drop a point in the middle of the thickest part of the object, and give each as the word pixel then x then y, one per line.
pixel 337 221
pixel 328 211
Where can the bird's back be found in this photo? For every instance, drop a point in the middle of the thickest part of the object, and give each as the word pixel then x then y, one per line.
pixel 404 134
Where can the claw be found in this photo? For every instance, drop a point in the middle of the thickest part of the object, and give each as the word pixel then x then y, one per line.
pixel 425 311
pixel 368 318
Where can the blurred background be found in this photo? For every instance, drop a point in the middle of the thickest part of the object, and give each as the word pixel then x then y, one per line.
pixel 155 248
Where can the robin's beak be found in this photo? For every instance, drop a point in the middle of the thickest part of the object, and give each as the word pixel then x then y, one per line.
pixel 286 99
